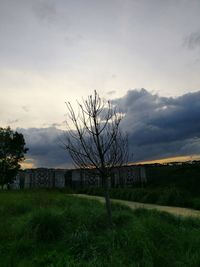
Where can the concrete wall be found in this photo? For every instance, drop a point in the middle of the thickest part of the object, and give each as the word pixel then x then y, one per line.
pixel 59 178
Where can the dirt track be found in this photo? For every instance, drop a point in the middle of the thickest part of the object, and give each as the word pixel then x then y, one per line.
pixel 135 205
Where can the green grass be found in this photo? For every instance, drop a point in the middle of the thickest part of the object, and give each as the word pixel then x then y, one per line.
pixel 50 228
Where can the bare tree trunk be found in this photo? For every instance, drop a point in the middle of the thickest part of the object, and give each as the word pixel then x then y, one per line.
pixel 107 201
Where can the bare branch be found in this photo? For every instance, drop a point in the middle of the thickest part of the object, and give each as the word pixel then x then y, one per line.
pixel 96 139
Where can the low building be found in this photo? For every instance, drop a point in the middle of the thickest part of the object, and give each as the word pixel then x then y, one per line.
pixel 40 177
pixel 125 176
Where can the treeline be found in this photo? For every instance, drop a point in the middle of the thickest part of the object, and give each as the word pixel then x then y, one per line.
pixel 185 176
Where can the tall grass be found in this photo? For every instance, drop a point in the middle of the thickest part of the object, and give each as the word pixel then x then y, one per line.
pixel 55 230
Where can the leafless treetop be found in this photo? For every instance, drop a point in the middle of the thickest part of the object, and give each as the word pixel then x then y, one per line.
pixel 97 140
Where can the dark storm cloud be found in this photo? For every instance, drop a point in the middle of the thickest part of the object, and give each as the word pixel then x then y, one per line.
pixel 158 127
pixel 45 147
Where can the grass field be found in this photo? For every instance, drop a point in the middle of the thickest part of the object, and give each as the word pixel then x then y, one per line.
pixel 50 228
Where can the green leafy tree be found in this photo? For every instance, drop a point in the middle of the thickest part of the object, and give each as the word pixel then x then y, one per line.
pixel 12 150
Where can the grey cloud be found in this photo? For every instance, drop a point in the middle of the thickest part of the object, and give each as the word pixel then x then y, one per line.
pixel 165 150
pixel 32 34
pixel 192 41
pixel 54 125
pixel 45 11
pixel 45 147
pixel 158 127
pixel 161 126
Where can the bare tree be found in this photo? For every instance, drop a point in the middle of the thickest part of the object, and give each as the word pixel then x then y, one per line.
pixel 94 139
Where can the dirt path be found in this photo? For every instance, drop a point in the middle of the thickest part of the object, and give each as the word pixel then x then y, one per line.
pixel 135 205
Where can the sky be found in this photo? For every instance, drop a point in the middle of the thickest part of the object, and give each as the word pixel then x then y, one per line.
pixel 57 51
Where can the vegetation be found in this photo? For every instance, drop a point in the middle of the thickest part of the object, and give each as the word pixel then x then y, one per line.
pixel 185 176
pixel 53 229
pixel 166 185
pixel 12 150
pixel 96 139
pixel 169 196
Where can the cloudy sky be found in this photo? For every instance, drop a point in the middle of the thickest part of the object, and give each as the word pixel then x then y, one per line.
pixel 56 51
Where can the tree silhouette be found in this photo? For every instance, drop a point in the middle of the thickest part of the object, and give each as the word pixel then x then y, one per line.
pixel 94 139
pixel 12 150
